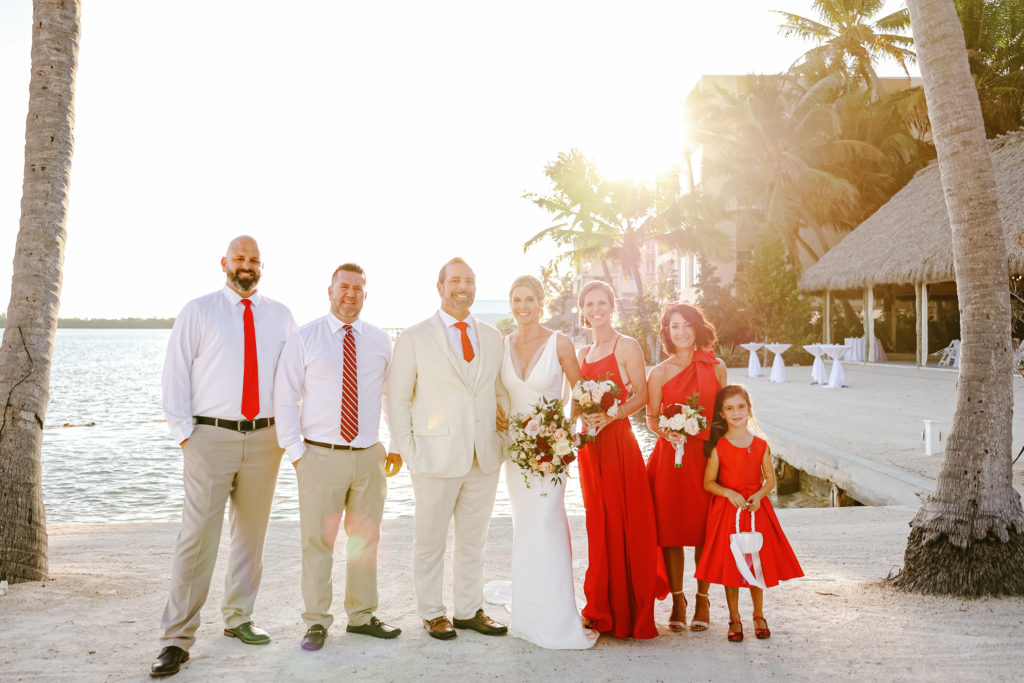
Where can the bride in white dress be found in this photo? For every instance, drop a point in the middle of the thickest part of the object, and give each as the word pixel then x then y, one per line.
pixel 543 597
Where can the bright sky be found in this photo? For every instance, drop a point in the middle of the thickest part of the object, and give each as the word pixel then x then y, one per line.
pixel 396 134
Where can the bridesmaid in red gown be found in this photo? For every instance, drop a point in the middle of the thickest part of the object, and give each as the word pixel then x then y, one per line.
pixel 680 501
pixel 622 580
pixel 740 475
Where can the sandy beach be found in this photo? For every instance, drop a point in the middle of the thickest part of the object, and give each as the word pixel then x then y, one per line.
pixel 97 618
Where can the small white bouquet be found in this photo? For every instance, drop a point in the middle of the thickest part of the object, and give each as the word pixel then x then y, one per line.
pixel 596 396
pixel 684 419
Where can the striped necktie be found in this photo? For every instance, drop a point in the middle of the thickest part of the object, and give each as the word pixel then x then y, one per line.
pixel 349 388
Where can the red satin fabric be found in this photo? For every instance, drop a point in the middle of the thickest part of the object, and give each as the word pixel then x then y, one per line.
pixel 680 501
pixel 251 369
pixel 622 581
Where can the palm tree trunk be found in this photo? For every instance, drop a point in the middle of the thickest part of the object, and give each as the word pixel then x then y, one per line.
pixel 27 347
pixel 968 538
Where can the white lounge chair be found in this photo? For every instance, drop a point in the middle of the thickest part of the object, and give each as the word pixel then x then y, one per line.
pixel 950 355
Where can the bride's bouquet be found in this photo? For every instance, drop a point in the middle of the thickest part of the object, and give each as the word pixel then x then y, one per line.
pixel 684 419
pixel 596 396
pixel 541 442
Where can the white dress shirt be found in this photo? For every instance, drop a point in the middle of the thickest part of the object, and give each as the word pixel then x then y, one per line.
pixel 206 357
pixel 307 398
pixel 455 334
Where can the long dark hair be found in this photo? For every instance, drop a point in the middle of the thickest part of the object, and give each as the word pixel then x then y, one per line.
pixel 718 424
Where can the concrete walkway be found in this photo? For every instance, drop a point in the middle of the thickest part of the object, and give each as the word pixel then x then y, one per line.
pixel 865 438
pixel 97 618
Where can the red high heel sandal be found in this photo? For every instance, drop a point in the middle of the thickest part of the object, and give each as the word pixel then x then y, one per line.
pixel 762 633
pixel 738 636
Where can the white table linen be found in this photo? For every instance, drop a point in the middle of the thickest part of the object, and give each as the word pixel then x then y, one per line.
pixel 857 350
pixel 754 365
pixel 818 373
pixel 778 374
pixel 836 378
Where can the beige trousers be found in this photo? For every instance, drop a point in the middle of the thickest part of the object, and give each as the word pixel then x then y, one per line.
pixel 220 466
pixel 469 501
pixel 332 484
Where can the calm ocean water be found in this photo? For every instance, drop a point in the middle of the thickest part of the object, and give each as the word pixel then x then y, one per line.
pixel 107 456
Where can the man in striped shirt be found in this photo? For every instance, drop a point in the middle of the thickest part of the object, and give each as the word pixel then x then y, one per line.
pixel 331 387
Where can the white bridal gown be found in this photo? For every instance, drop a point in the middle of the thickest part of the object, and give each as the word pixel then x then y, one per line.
pixel 543 599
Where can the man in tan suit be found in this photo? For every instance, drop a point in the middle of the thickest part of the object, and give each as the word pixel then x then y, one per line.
pixel 444 401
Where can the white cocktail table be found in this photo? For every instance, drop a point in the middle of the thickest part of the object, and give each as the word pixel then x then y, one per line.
pixel 778 374
pixel 754 365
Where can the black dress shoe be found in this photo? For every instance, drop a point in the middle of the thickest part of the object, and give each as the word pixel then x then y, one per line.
pixel 249 633
pixel 481 623
pixel 314 638
pixel 376 628
pixel 168 662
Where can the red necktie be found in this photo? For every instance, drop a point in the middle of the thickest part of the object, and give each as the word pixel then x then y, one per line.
pixel 349 388
pixel 467 346
pixel 251 375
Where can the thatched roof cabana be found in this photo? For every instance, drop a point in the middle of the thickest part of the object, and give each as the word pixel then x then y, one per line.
pixel 907 241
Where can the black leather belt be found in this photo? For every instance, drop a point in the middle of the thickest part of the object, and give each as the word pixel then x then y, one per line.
pixel 336 446
pixel 235 425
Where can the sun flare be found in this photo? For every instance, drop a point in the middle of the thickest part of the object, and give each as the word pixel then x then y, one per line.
pixel 643 146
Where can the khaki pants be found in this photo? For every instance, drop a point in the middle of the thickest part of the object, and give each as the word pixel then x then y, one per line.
pixel 469 501
pixel 221 465
pixel 333 483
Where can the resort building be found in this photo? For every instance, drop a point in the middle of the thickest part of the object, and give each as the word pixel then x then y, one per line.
pixel 900 262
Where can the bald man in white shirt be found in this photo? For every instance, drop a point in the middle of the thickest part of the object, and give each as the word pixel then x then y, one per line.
pixel 218 388
pixel 330 390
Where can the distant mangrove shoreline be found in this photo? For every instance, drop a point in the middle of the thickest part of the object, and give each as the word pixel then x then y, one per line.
pixel 109 323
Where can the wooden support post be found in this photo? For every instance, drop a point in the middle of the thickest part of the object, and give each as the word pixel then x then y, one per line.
pixel 827 327
pixel 919 358
pixel 924 324
pixel 869 324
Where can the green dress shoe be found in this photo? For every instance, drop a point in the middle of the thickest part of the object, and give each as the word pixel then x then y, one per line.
pixel 249 633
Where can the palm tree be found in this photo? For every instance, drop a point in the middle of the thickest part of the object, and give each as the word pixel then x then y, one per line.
pixel 850 41
pixel 775 148
pixel 610 221
pixel 968 537
pixel 994 33
pixel 35 288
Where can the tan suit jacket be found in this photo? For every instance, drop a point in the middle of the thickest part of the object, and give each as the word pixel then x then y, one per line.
pixel 442 408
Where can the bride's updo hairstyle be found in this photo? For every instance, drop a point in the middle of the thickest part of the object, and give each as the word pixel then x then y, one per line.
pixel 704 336
pixel 533 284
pixel 591 286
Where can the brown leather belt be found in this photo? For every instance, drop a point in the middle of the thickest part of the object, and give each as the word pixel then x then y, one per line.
pixel 338 446
pixel 235 425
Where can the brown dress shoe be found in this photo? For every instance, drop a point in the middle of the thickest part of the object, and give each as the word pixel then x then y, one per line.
pixel 481 623
pixel 440 628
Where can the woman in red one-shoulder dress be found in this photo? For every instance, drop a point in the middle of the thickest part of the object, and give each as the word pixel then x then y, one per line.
pixel 622 580
pixel 680 501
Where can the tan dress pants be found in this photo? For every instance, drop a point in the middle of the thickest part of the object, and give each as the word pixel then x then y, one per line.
pixel 334 484
pixel 469 501
pixel 221 465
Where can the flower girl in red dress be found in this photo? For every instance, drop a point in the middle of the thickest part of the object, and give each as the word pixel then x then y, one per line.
pixel 740 475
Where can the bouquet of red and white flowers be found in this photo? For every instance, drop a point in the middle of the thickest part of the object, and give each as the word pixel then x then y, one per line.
pixel 596 396
pixel 541 442
pixel 684 419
